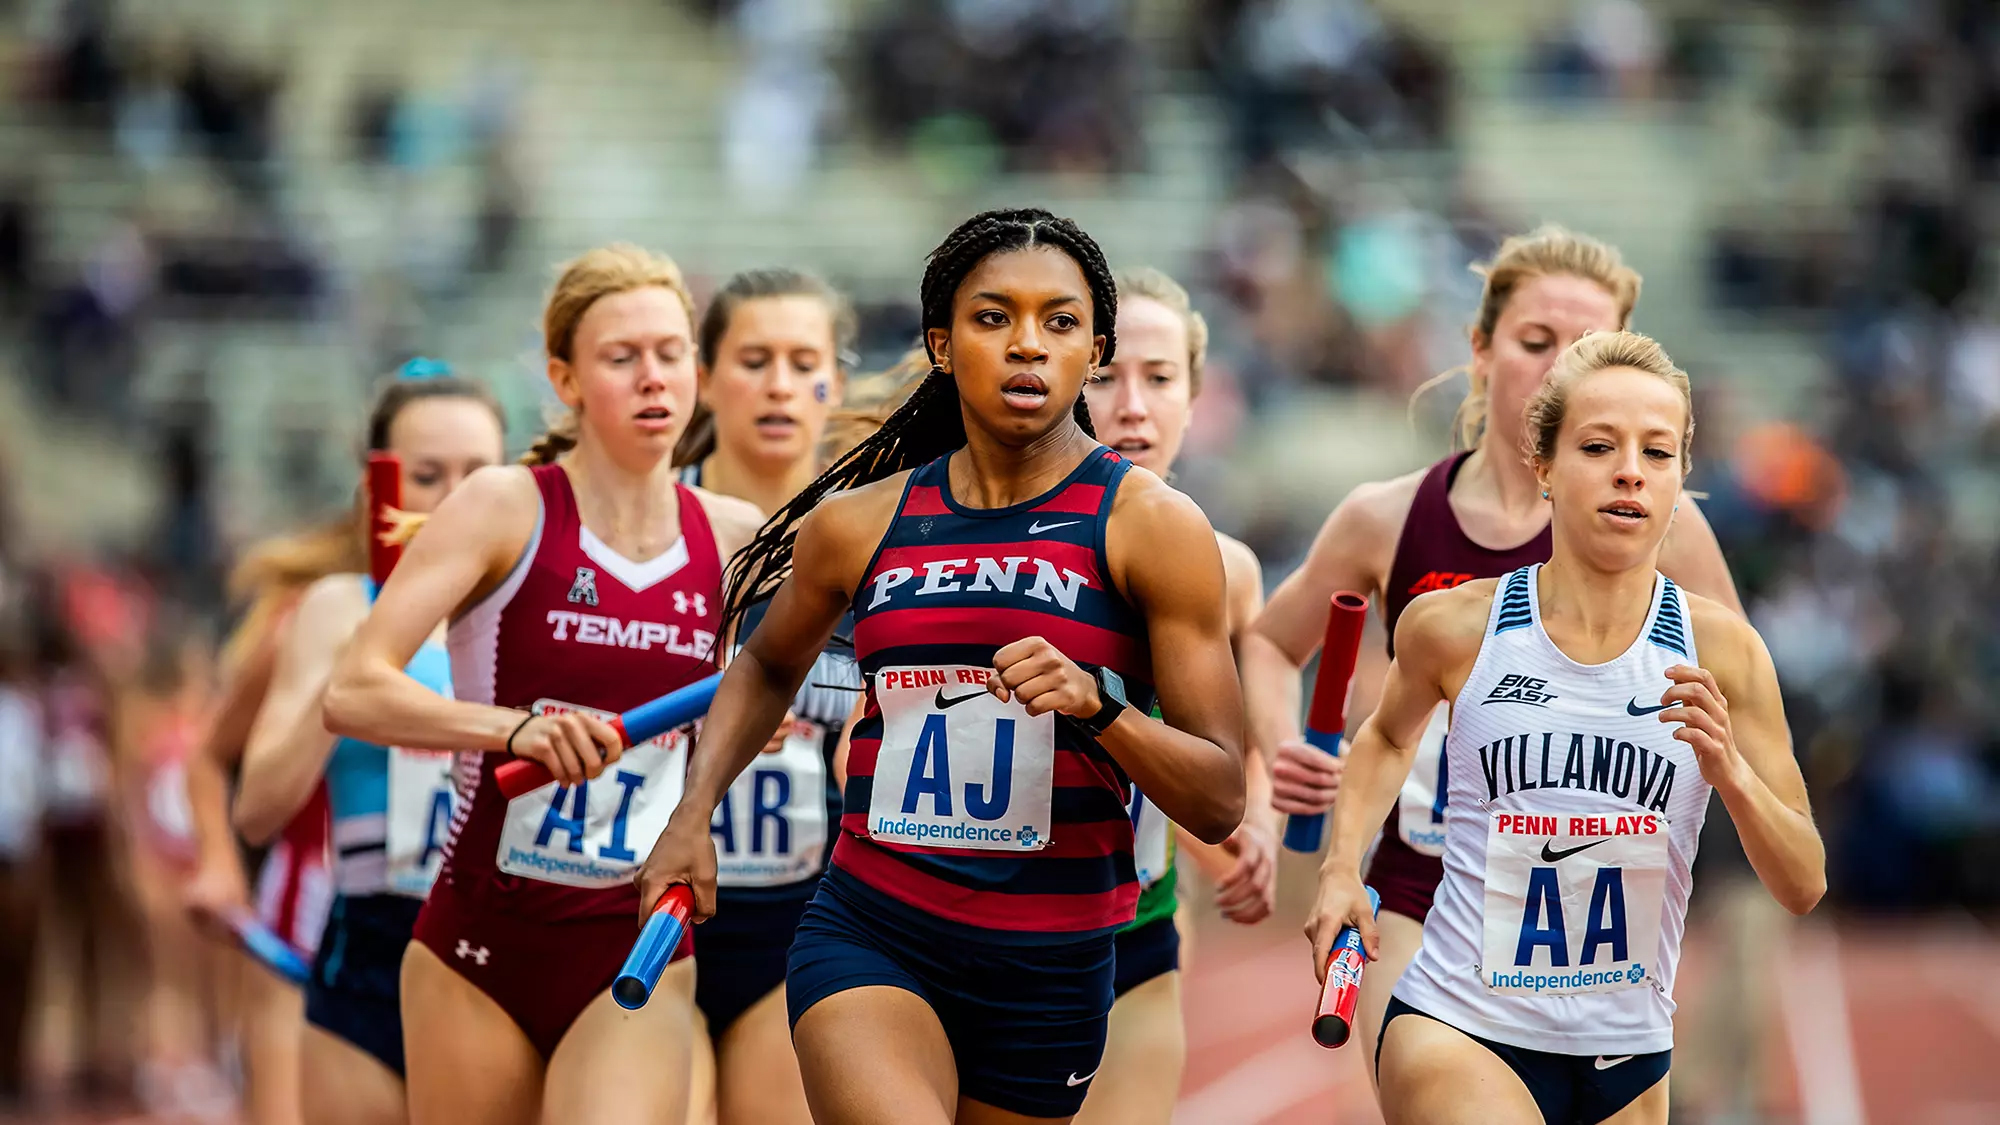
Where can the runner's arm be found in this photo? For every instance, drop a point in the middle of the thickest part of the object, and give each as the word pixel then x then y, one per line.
pixel 1191 765
pixel 1734 720
pixel 208 772
pixel 466 547
pixel 288 745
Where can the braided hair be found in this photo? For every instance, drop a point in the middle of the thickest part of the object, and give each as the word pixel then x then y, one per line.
pixel 929 424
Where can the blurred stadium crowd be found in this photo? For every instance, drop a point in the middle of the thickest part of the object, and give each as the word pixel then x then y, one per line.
pixel 1858 510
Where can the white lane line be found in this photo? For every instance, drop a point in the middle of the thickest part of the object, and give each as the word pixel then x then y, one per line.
pixel 1813 995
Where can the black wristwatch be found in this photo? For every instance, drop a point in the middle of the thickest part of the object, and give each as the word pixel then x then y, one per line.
pixel 1110 701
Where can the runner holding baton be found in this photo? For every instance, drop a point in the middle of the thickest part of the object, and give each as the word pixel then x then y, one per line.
pixel 643 723
pixel 1327 720
pixel 1340 984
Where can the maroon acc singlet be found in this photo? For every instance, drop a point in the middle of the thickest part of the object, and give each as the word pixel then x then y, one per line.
pixel 1433 553
pixel 535 904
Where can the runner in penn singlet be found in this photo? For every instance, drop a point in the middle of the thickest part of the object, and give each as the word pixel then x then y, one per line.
pixel 535 905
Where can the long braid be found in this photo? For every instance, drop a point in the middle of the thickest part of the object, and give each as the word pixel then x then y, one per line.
pixel 930 423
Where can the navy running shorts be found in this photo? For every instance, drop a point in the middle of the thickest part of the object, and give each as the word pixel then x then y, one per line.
pixel 1026 1023
pixel 356 985
pixel 743 950
pixel 1569 1089
pixel 1145 952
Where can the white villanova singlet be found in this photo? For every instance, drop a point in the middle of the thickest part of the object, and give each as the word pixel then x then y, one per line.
pixel 1569 836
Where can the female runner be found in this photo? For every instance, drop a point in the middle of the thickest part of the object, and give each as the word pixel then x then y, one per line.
pixel 391 808
pixel 1140 404
pixel 1609 704
pixel 575 588
pixel 294 886
pixel 1476 514
pixel 1014 587
pixel 772 372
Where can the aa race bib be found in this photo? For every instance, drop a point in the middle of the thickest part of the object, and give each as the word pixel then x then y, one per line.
pixel 770 829
pixel 419 822
pixel 598 833
pixel 1573 903
pixel 957 767
pixel 1420 805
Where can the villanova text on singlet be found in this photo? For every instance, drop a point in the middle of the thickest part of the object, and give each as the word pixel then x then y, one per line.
pixel 959 805
pixel 1435 553
pixel 576 626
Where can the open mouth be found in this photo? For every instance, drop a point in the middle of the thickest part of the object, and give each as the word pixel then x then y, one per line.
pixel 1132 446
pixel 776 424
pixel 1625 511
pixel 654 418
pixel 1026 390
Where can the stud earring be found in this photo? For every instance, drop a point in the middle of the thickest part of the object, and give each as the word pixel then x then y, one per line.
pixel 1545 494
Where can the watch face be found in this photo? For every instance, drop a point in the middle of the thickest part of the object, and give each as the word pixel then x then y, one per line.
pixel 1111 684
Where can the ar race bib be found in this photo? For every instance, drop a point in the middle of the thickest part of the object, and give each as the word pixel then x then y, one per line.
pixel 420 806
pixel 770 829
pixel 957 767
pixel 598 833
pixel 1152 839
pixel 1573 903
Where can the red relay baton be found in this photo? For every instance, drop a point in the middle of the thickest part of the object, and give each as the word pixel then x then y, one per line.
pixel 1326 719
pixel 1338 997
pixel 385 492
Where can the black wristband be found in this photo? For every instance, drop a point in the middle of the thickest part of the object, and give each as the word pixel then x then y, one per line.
pixel 517 730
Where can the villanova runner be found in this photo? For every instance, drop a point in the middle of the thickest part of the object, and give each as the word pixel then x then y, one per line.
pixel 1140 404
pixel 773 347
pixel 391 807
pixel 1019 594
pixel 1474 514
pixel 577 587
pixel 1598 706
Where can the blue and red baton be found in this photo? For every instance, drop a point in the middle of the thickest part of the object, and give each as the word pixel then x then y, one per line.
pixel 385 494
pixel 1334 1021
pixel 677 708
pixel 664 939
pixel 266 948
pixel 1326 719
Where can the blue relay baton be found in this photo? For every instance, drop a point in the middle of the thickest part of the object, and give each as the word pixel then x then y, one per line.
pixel 655 947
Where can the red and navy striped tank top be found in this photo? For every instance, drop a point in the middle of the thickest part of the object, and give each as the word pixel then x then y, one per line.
pixel 957 805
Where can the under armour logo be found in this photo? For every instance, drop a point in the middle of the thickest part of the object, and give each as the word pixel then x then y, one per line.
pixel 683 601
pixel 584 589
pixel 465 950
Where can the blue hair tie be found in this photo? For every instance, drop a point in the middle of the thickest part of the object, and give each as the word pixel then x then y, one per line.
pixel 423 367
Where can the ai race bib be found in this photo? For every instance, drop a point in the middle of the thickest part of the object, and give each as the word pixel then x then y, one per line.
pixel 770 829
pixel 1573 903
pixel 598 833
pixel 420 808
pixel 957 767
pixel 1420 806
pixel 1152 839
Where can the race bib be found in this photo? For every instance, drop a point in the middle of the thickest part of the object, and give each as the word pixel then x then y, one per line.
pixel 1152 839
pixel 957 767
pixel 1573 903
pixel 420 809
pixel 1420 806
pixel 770 829
pixel 598 833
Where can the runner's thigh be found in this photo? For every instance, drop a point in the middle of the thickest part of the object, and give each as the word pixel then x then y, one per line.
pixel 616 1067
pixel 1400 937
pixel 1140 1077
pixel 876 1055
pixel 468 1062
pixel 1434 1074
pixel 757 1074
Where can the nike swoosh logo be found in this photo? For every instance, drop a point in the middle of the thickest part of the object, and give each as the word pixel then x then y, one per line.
pixel 954 701
pixel 1036 528
pixel 1075 1081
pixel 1633 708
pixel 1607 1063
pixel 1555 857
